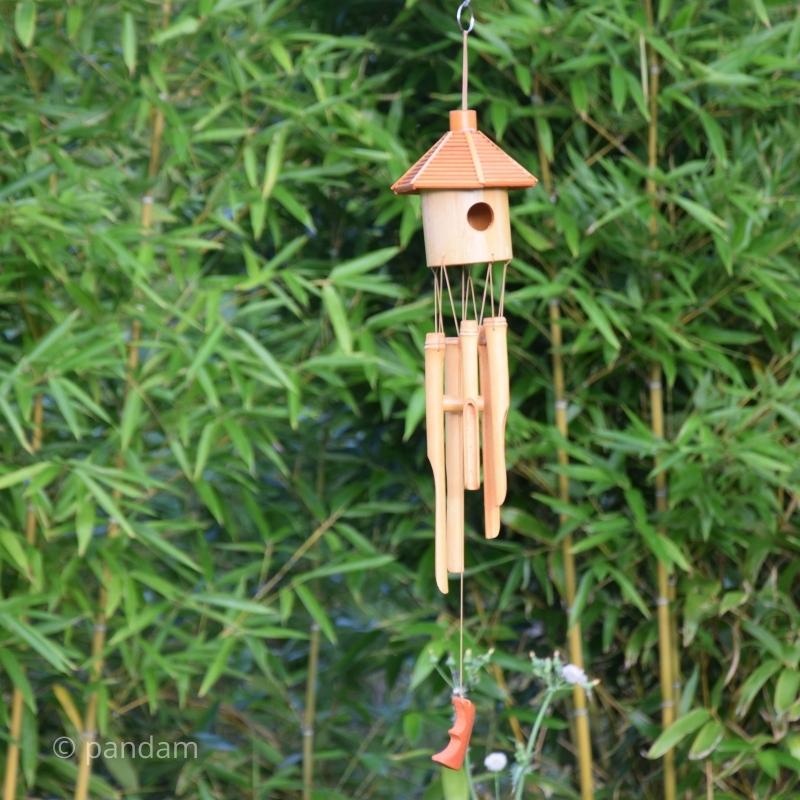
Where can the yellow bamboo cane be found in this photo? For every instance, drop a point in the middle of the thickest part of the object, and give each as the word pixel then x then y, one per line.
pixel 666 646
pixel 15 728
pixel 581 730
pixel 309 713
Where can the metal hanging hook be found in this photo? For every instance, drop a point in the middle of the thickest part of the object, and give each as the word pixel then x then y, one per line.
pixel 471 23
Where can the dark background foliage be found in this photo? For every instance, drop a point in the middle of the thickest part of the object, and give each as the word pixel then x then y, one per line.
pixel 219 307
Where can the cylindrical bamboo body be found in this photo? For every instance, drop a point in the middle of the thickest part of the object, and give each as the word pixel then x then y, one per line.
pixel 466 226
pixel 434 429
pixel 495 330
pixel 468 335
pixel 491 510
pixel 454 458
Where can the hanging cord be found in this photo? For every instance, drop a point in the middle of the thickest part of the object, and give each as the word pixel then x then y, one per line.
pixel 466 289
pixel 461 636
pixel 463 296
pixel 439 301
pixel 465 32
pixel 485 288
pixel 435 303
pixel 471 289
pixel 452 303
pixel 503 288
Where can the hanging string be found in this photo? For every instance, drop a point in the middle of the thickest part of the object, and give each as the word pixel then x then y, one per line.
pixel 435 303
pixel 463 296
pixel 503 288
pixel 441 305
pixel 465 32
pixel 485 288
pixel 471 289
pixel 461 635
pixel 452 303
pixel 466 289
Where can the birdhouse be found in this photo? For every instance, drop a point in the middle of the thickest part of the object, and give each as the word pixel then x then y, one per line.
pixel 463 181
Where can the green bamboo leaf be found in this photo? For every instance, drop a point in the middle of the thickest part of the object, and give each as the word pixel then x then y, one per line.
pixel 106 502
pixel 629 590
pixel 338 317
pixel 597 317
pixel 415 411
pixel 235 603
pixel 707 740
pixel 678 731
pixel 361 265
pixel 22 475
pixel 250 168
pixel 217 665
pixel 619 87
pixel 266 358
pixel 356 565
pixel 455 784
pixel 754 683
pixel 19 679
pixel 274 161
pixel 47 649
pixel 761 12
pixel 317 612
pixel 129 42
pixel 258 216
pixel 786 690
pixel 544 134
pixel 25 21
pixel 294 207
pixel 12 543
pixel 157 541
pixel 84 524
pixel 204 448
pixel 14 424
pixel 705 217
pixel 183 27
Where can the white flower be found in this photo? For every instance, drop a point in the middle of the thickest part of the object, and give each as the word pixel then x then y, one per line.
pixel 574 675
pixel 495 762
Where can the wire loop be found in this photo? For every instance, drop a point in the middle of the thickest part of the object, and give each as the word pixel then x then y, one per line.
pixel 471 23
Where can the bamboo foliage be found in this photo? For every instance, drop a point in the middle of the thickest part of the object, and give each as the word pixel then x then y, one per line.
pixel 272 473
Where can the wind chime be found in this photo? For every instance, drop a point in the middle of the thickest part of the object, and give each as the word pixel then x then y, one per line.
pixel 463 181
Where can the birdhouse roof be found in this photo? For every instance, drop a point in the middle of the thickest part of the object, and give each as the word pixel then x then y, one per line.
pixel 464 158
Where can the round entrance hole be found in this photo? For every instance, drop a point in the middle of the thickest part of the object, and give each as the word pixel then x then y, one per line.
pixel 480 216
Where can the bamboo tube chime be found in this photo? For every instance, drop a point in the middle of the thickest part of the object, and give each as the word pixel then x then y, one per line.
pixel 463 182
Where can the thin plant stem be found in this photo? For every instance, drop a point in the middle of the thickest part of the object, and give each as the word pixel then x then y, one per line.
pixel 473 794
pixel 497 786
pixel 667 655
pixel 88 734
pixel 309 714
pixel 17 703
pixel 519 787
pixel 709 780
pixel 580 727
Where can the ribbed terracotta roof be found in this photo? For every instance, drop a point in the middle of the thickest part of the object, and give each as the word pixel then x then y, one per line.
pixel 464 158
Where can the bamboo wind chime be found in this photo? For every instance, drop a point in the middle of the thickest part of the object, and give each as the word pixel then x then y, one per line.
pixel 463 181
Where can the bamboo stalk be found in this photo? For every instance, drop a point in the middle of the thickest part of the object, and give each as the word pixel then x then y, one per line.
pixel 665 648
pixel 667 653
pixel 580 728
pixel 574 635
pixel 309 713
pixel 89 733
pixel 15 728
